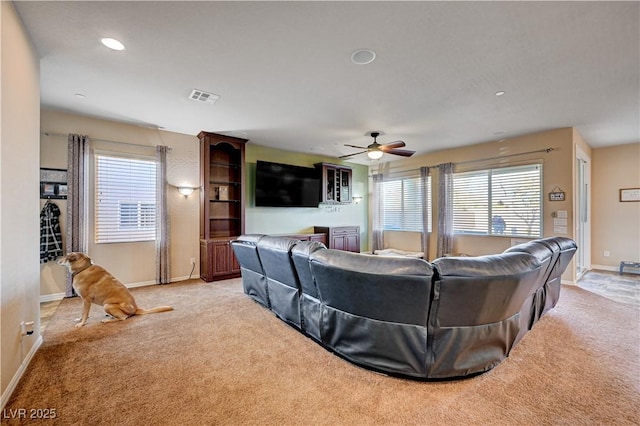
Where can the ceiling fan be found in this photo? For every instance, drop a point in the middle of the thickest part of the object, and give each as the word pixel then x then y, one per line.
pixel 375 151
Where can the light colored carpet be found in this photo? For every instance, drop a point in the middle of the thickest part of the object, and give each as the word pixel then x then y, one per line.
pixel 220 358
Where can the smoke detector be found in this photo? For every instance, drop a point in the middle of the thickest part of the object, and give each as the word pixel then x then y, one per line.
pixel 202 96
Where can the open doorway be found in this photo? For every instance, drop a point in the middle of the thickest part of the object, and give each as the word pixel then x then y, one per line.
pixel 582 213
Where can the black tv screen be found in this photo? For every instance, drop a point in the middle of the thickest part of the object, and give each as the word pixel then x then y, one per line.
pixel 284 185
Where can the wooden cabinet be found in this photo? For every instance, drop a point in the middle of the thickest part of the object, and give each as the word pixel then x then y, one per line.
pixel 320 237
pixel 222 184
pixel 217 260
pixel 345 238
pixel 336 183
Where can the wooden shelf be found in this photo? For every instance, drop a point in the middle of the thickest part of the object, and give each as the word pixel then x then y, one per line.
pixel 221 203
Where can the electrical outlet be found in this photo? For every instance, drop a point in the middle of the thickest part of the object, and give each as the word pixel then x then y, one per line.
pixel 606 253
pixel 193 260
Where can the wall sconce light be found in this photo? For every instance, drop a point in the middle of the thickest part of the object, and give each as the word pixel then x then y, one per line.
pixel 357 199
pixel 185 190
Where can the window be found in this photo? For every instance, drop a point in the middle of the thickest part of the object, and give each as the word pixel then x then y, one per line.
pixel 505 201
pixel 403 204
pixel 125 199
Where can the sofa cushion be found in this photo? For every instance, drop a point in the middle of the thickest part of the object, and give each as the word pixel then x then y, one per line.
pixel 483 289
pixel 300 254
pixel 475 317
pixel 282 280
pixel 374 286
pixel 566 249
pixel 254 280
pixel 374 309
pixel 310 309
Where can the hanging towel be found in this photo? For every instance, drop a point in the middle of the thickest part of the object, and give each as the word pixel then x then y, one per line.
pixel 50 236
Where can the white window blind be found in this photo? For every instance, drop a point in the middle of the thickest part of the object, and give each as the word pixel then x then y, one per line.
pixel 125 209
pixel 505 201
pixel 403 204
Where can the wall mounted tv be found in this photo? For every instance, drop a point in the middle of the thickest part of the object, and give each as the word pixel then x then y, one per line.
pixel 284 185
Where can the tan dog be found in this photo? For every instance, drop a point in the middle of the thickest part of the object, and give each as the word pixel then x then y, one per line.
pixel 95 285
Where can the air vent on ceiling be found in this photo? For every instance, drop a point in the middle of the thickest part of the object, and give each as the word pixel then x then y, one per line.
pixel 202 96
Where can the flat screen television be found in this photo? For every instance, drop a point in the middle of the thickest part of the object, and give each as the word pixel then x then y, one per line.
pixel 284 185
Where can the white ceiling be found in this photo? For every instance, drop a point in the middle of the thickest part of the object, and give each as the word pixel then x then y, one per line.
pixel 285 78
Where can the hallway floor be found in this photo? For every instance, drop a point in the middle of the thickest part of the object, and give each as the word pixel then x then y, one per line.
pixel 623 288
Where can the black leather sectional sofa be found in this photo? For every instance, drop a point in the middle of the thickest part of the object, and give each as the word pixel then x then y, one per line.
pixel 453 317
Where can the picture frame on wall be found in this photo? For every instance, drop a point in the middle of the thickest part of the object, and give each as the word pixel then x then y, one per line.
pixel 629 195
pixel 53 175
pixel 53 184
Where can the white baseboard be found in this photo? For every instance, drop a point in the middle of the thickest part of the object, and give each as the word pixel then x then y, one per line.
pixel 16 377
pixel 605 268
pixel 59 296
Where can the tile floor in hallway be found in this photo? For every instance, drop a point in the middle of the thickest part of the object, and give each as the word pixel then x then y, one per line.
pixel 623 288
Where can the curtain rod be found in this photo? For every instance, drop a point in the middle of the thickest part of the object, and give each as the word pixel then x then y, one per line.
pixel 547 150
pixel 102 140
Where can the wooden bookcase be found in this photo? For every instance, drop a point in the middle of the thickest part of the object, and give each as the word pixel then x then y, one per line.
pixel 222 183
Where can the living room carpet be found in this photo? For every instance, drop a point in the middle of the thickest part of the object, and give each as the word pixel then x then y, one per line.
pixel 220 358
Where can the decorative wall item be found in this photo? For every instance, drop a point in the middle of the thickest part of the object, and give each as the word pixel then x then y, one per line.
pixel 556 194
pixel 629 194
pixel 53 184
pixel 222 192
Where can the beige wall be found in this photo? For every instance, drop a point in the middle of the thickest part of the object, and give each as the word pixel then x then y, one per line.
pixel 615 225
pixel 274 220
pixel 132 263
pixel 19 189
pixel 557 171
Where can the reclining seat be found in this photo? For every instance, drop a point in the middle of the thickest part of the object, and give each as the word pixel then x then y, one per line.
pixel 310 299
pixel 566 249
pixel 282 281
pixel 474 318
pixel 254 280
pixel 374 309
pixel 547 257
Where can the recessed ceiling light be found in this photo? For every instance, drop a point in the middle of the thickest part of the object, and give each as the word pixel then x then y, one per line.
pixel 363 56
pixel 112 43
pixel 500 93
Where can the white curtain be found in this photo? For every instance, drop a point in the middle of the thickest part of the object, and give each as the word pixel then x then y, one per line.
pixel 163 273
pixel 77 190
pixel 445 209
pixel 377 205
pixel 424 182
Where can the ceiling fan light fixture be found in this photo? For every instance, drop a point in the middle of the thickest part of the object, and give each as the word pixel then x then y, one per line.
pixel 375 154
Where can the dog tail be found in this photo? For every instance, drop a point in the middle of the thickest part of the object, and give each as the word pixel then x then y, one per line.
pixel 141 311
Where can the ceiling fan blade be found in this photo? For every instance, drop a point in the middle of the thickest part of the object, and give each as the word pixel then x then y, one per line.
pixel 356 146
pixel 402 152
pixel 351 155
pixel 391 145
